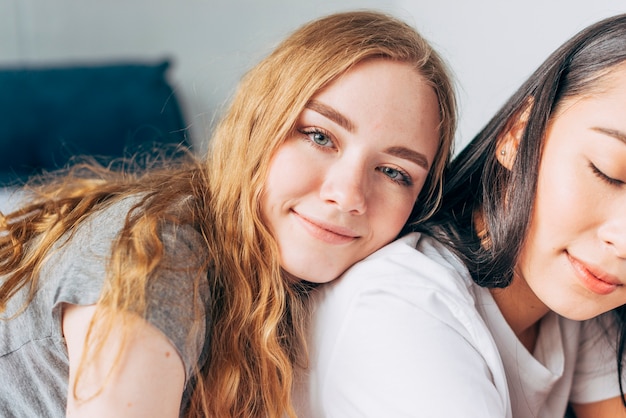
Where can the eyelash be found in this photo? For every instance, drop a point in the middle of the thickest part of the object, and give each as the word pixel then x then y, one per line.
pixel 403 180
pixel 307 132
pixel 609 180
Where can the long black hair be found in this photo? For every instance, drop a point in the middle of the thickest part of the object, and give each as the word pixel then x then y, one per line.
pixel 476 182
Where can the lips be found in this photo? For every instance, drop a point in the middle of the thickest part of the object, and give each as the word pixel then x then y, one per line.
pixel 594 278
pixel 323 231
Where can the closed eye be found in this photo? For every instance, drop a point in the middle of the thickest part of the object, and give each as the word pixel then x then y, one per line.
pixel 609 180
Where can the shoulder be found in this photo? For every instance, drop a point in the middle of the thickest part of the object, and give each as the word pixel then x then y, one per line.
pixel 77 262
pixel 411 287
pixel 177 289
pixel 413 269
pixel 400 322
pixel 413 255
pixel 93 238
pixel 95 234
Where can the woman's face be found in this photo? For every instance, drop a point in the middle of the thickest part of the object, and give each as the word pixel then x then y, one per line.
pixel 344 182
pixel 574 258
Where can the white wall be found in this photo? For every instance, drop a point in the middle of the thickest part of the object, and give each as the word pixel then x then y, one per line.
pixel 492 45
pixel 212 42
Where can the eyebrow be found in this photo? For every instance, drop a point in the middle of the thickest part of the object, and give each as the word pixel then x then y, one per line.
pixel 409 154
pixel 331 114
pixel 617 134
pixel 400 152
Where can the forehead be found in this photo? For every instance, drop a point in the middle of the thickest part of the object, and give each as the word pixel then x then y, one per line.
pixel 613 78
pixel 392 93
pixel 606 80
pixel 373 76
pixel 604 85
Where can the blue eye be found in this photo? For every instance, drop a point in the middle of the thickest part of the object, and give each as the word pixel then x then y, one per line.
pixel 390 172
pixel 396 175
pixel 317 137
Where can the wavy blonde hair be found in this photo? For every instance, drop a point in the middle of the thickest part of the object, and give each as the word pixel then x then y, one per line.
pixel 256 335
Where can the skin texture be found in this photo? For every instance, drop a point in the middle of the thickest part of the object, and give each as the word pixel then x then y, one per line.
pixel 574 259
pixel 149 363
pixel 344 183
pixel 610 408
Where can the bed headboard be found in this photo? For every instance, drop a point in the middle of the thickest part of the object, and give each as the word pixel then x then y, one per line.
pixel 50 114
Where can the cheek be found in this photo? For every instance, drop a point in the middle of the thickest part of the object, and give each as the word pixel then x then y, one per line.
pixel 273 185
pixel 389 218
pixel 563 210
pixel 565 199
pixel 280 163
pixel 285 171
pixel 289 176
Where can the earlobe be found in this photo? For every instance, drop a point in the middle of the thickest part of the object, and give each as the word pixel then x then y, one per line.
pixel 509 140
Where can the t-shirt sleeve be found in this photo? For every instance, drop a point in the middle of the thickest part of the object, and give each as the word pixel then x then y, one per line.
pixel 178 296
pixel 388 344
pixel 596 378
pixel 75 273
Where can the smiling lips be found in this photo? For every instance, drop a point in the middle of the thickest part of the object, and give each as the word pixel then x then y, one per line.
pixel 594 279
pixel 330 234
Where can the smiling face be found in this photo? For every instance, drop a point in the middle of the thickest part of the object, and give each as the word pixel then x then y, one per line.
pixel 345 181
pixel 574 259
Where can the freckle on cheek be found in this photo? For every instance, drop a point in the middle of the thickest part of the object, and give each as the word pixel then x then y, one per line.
pixel 129 404
pixel 167 354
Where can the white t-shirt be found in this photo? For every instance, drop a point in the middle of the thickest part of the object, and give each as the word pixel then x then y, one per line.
pixel 407 333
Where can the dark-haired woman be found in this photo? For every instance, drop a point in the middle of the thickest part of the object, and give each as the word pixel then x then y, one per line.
pixel 516 307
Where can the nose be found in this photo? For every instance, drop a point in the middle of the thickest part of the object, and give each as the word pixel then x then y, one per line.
pixel 345 185
pixel 613 234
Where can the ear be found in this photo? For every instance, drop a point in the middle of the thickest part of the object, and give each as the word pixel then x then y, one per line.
pixel 509 140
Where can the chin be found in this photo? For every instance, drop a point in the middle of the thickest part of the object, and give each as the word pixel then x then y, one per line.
pixel 308 270
pixel 579 314
pixel 319 279
pixel 311 277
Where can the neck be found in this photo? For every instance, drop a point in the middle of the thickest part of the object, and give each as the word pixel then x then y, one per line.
pixel 522 310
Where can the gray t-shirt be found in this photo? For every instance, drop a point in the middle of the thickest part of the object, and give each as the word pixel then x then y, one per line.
pixel 33 356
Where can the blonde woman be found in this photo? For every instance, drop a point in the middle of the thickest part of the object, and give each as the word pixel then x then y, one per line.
pixel 178 291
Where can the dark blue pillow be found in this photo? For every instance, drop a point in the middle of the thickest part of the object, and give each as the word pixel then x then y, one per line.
pixel 51 114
